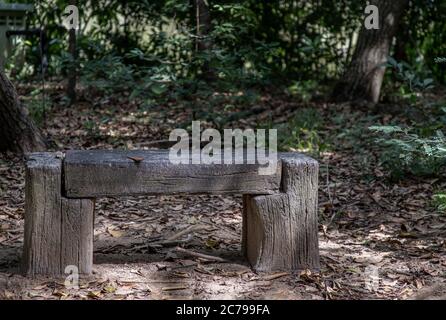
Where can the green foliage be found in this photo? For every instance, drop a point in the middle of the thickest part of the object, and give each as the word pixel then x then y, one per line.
pixel 252 42
pixel 92 128
pixel 412 83
pixel 423 36
pixel 406 152
pixel 421 149
pixel 410 77
pixel 301 133
pixel 36 106
pixel 108 73
pixel 311 35
pixel 351 131
pixel 439 200
pixel 303 90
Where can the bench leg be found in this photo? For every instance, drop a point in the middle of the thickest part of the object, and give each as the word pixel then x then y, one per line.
pixel 77 234
pixel 58 231
pixel 280 232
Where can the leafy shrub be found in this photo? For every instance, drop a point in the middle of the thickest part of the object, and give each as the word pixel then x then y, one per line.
pixel 406 152
pixel 412 82
pixel 421 150
pixel 108 73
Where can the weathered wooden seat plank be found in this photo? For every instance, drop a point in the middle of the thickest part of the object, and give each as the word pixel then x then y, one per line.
pixel 101 173
pixel 279 215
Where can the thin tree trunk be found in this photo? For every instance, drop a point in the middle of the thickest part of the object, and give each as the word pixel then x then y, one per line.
pixel 363 78
pixel 203 29
pixel 72 72
pixel 17 132
pixel 203 21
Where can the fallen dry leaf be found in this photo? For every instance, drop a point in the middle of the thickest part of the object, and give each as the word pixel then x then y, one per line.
pixel 136 159
pixel 115 233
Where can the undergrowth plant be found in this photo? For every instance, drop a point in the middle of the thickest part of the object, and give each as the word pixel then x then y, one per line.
pixel 36 106
pixel 302 133
pixel 404 151
pixel 439 201
pixel 412 83
pixel 420 149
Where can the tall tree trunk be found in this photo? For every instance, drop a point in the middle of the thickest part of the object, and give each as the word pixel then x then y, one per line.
pixel 17 132
pixel 72 70
pixel 203 25
pixel 363 78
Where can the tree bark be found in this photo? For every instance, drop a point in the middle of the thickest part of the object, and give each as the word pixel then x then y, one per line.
pixel 72 72
pixel 363 78
pixel 203 25
pixel 17 131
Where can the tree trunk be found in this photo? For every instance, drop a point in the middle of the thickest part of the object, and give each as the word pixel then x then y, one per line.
pixel 203 29
pixel 203 24
pixel 17 132
pixel 72 72
pixel 363 78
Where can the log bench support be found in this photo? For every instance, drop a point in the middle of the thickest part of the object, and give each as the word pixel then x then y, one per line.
pixel 279 212
pixel 58 230
pixel 280 231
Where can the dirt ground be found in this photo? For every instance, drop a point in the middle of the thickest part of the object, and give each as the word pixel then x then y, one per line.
pixel 378 239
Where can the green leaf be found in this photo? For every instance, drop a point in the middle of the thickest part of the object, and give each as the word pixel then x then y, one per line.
pixel 158 88
pixel 386 129
pixel 427 82
pixel 392 62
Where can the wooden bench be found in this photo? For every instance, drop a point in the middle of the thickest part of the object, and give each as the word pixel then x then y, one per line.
pixel 280 230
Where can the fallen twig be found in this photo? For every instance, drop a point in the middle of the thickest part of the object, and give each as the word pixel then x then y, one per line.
pixel 276 276
pixel 193 228
pixel 167 243
pixel 175 288
pixel 199 255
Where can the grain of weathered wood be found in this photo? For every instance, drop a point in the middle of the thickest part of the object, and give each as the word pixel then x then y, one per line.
pixel 113 173
pixel 279 226
pixel 58 231
pixel 281 231
pixel 245 203
pixel 77 234
pixel 42 242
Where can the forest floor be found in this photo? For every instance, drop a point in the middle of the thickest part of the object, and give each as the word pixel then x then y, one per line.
pixel 378 239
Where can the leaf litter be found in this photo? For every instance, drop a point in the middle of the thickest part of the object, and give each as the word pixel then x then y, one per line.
pixel 378 240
